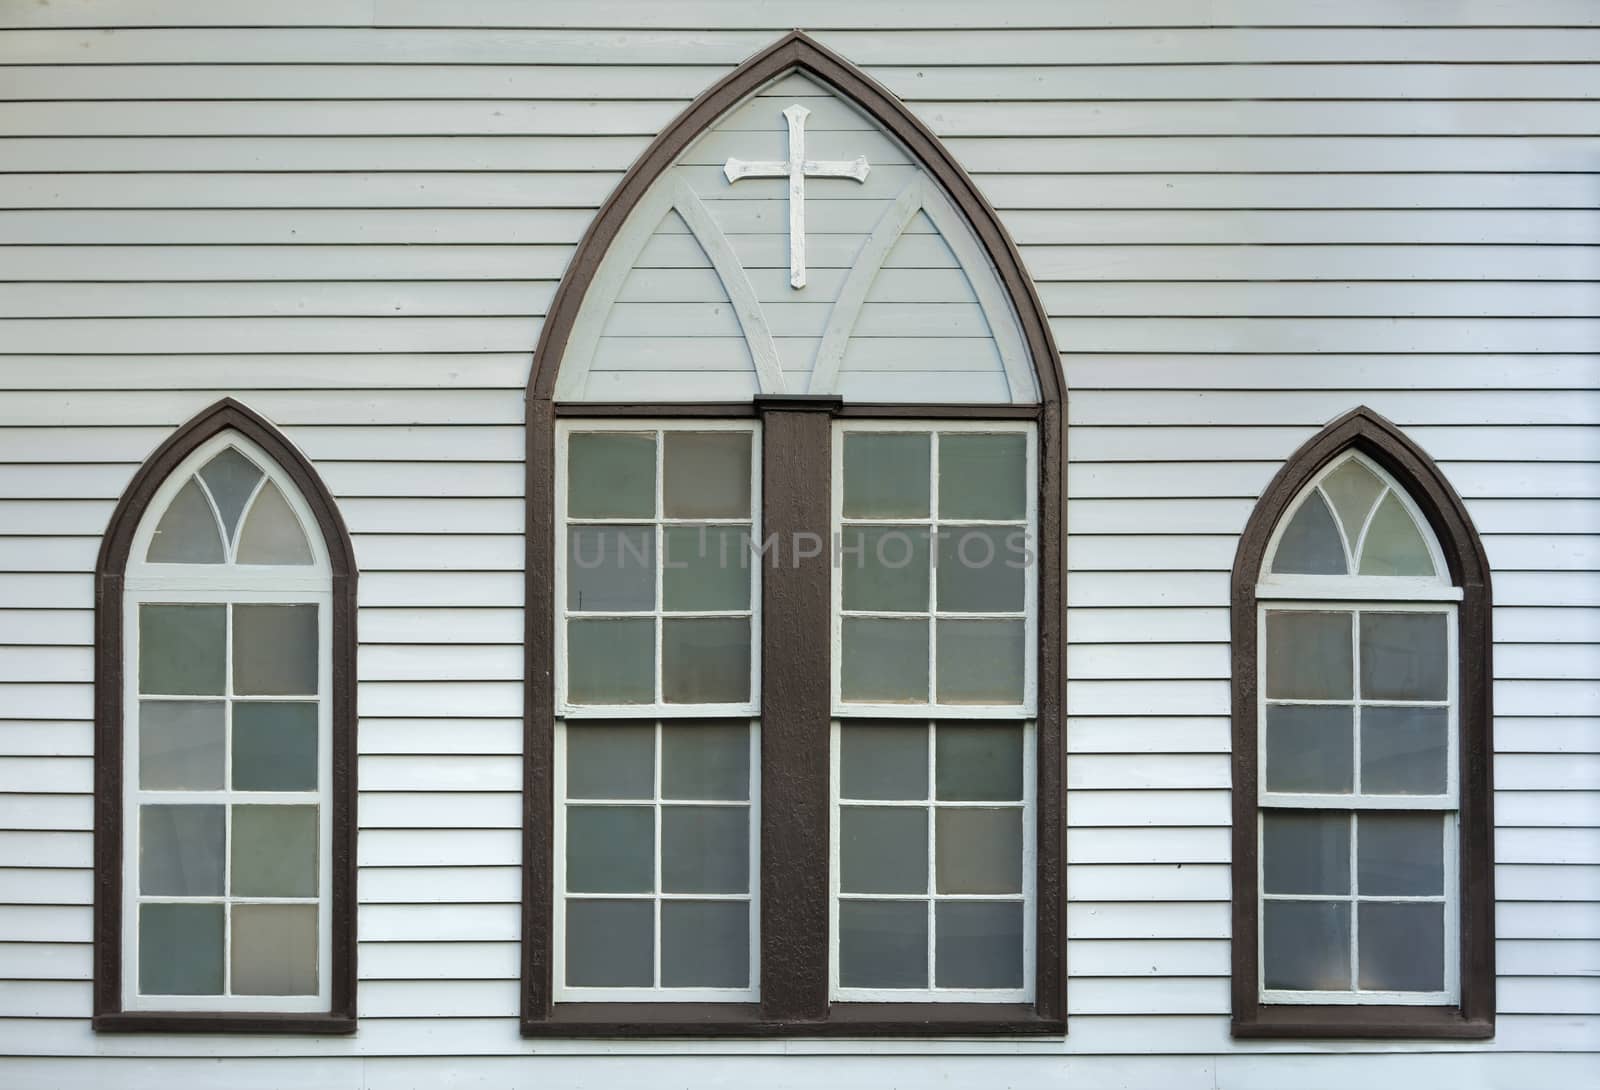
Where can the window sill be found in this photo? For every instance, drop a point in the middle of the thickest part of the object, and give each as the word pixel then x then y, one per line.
pixel 745 1020
pixel 1391 1022
pixel 317 1025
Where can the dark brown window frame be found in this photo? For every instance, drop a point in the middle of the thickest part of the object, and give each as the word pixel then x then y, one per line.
pixel 796 707
pixel 1365 431
pixel 109 1015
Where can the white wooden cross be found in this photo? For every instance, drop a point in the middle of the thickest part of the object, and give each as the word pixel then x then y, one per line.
pixel 796 169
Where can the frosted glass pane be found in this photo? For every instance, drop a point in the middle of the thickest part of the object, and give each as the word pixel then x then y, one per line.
pixel 1310 543
pixel 611 662
pixel 274 851
pixel 883 849
pixel 610 944
pixel 611 849
pixel 611 475
pixel 275 650
pixel 983 476
pixel 187 532
pixel 705 661
pixel 979 571
pixel 978 944
pixel 1310 748
pixel 181 649
pixel 978 850
pixel 1392 545
pixel 1402 947
pixel 230 477
pixel 1399 855
pixel 884 661
pixel 707 475
pixel 274 746
pixel 883 944
pixel 1404 750
pixel 1403 656
pixel 180 850
pixel 1353 488
pixel 980 763
pixel 1306 945
pixel 272 534
pixel 705 944
pixel 981 662
pixel 180 949
pixel 706 568
pixel 887 475
pixel 274 950
pixel 181 745
pixel 884 568
pixel 1305 852
pixel 611 569
pixel 1308 656
pixel 705 849
pixel 705 761
pixel 611 760
pixel 883 761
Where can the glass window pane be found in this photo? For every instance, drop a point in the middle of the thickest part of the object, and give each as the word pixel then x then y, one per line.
pixel 707 475
pixel 611 662
pixel 705 944
pixel 610 944
pixel 181 745
pixel 275 650
pixel 1402 947
pixel 981 662
pixel 1305 852
pixel 979 850
pixel 1393 545
pixel 978 944
pixel 180 949
pixel 1305 945
pixel 883 944
pixel 272 533
pixel 705 660
pixel 983 476
pixel 884 661
pixel 611 569
pixel 1310 544
pixel 1400 855
pixel 1310 748
pixel 180 850
pixel 706 568
pixel 181 649
pixel 274 746
pixel 1308 655
pixel 230 477
pixel 1353 488
pixel 611 760
pixel 187 532
pixel 1404 750
pixel 883 761
pixel 883 849
pixel 887 475
pixel 979 570
pixel 1403 656
pixel 705 849
pixel 611 475
pixel 705 761
pixel 611 849
pixel 980 763
pixel 274 950
pixel 274 851
pixel 884 568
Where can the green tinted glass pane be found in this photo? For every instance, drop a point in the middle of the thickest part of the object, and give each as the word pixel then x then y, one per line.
pixel 181 649
pixel 274 851
pixel 274 746
pixel 611 760
pixel 887 475
pixel 275 650
pixel 981 569
pixel 1402 947
pixel 1310 544
pixel 1403 656
pixel 705 660
pixel 705 760
pixel 706 568
pixel 883 944
pixel 983 476
pixel 274 950
pixel 611 569
pixel 231 478
pixel 610 944
pixel 707 475
pixel 883 761
pixel 705 849
pixel 610 849
pixel 884 661
pixel 1310 748
pixel 1305 945
pixel 187 532
pixel 611 662
pixel 978 944
pixel 979 763
pixel 180 850
pixel 180 949
pixel 1353 488
pixel 1308 655
pixel 978 850
pixel 1393 545
pixel 705 944
pixel 181 745
pixel 981 662
pixel 883 849
pixel 1305 852
pixel 1400 855
pixel 272 533
pixel 884 568
pixel 1403 750
pixel 611 475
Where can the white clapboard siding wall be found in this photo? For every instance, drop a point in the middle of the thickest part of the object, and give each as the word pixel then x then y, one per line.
pixel 1244 216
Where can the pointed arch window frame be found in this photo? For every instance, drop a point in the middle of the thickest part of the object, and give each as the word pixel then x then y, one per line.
pixel 119 567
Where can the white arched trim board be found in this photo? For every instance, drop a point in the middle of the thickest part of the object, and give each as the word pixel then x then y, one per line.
pixel 673 194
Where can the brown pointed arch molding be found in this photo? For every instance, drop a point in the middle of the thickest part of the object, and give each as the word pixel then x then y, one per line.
pixel 225 415
pixel 1365 431
pixel 789 1007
